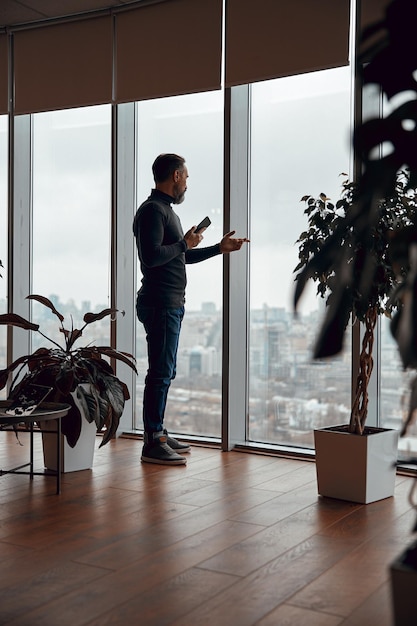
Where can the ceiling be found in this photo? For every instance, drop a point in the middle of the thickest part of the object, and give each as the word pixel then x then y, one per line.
pixel 14 12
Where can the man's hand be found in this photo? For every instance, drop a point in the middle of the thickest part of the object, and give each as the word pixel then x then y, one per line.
pixel 192 239
pixel 230 244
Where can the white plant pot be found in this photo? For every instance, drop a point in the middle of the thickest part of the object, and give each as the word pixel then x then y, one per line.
pixel 357 468
pixel 403 587
pixel 75 459
pixel 80 457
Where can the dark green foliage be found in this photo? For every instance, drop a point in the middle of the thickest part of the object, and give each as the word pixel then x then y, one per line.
pixel 359 277
pixel 67 370
pixel 357 274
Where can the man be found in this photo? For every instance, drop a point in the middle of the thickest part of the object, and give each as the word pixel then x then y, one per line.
pixel 163 251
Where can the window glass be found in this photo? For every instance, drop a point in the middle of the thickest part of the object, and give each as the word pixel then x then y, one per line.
pixel 300 144
pixel 395 392
pixel 71 217
pixel 191 126
pixel 3 236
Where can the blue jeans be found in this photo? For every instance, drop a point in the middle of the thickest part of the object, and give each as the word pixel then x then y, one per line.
pixel 162 327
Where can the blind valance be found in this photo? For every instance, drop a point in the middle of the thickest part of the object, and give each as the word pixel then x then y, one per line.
pixel 269 39
pixel 168 48
pixel 63 65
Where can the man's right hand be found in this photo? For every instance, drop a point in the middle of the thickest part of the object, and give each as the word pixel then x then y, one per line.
pixel 192 239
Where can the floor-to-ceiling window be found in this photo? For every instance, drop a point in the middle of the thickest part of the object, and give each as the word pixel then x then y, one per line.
pixel 300 140
pixel 3 233
pixel 300 144
pixel 191 126
pixel 71 216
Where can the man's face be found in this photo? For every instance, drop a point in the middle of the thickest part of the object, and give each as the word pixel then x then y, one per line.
pixel 180 185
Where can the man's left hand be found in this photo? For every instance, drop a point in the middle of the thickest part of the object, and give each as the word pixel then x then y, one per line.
pixel 230 243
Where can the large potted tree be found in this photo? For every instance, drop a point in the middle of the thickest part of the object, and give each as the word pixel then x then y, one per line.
pixel 388 61
pixel 79 376
pixel 336 446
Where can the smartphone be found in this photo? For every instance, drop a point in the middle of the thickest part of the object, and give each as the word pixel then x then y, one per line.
pixel 203 224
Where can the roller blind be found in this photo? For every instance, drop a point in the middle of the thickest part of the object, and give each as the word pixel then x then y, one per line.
pixel 270 38
pixel 168 48
pixel 63 65
pixel 3 74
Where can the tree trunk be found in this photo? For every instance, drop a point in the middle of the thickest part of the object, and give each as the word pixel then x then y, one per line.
pixel 360 405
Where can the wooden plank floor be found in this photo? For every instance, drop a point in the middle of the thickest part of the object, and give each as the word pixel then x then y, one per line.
pixel 230 539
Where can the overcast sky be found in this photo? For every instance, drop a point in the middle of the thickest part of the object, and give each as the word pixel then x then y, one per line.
pixel 300 145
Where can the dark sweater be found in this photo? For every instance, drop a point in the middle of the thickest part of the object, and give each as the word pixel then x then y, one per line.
pixel 163 252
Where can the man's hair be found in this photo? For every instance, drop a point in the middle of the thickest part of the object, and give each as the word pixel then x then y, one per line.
pixel 165 165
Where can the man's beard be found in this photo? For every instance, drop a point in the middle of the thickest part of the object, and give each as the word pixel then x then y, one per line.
pixel 178 196
pixel 179 199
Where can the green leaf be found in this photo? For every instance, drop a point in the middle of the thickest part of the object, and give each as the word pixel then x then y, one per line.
pixel 46 302
pixel 72 337
pixel 116 399
pixel 12 319
pixel 125 357
pixel 89 318
pixel 89 403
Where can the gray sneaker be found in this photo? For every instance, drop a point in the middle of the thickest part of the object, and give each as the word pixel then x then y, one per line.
pixel 176 445
pixel 158 451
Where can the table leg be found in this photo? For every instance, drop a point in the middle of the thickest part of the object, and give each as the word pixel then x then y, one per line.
pixel 58 456
pixel 31 450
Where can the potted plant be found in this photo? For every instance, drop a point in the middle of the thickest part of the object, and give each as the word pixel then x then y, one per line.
pixel 388 61
pixel 80 376
pixel 362 260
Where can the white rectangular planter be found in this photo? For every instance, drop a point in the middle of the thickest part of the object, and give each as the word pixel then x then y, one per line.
pixel 403 586
pixel 73 459
pixel 357 468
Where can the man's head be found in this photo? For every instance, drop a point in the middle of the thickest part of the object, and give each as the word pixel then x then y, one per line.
pixel 170 174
